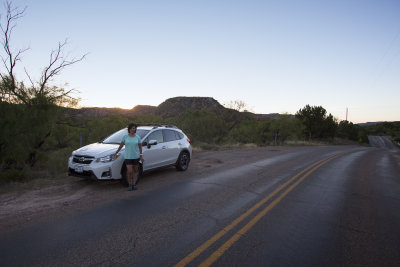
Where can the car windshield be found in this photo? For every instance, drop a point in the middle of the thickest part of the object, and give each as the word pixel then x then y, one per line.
pixel 116 137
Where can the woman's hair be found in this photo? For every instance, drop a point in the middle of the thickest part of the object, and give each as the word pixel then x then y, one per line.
pixel 131 125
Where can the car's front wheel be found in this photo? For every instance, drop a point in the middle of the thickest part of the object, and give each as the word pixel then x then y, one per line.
pixel 183 161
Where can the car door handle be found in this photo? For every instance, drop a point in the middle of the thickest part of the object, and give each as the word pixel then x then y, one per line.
pixel 164 147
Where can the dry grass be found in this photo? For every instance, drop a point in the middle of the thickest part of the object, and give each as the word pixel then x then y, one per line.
pixel 40 179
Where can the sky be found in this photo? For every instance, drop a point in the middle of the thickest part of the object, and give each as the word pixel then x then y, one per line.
pixel 275 56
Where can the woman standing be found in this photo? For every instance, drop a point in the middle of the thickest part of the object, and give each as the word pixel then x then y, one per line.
pixel 133 154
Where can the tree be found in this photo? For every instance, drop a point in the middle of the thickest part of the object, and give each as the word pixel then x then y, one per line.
pixel 238 105
pixel 330 127
pixel 316 122
pixel 16 92
pixel 248 131
pixel 348 130
pixel 285 127
pixel 29 112
pixel 203 126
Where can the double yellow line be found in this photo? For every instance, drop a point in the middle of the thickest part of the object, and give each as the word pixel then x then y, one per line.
pixel 235 237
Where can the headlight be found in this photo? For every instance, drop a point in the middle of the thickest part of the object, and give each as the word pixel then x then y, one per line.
pixel 107 158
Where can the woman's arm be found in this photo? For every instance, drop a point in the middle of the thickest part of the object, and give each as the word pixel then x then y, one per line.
pixel 141 152
pixel 119 148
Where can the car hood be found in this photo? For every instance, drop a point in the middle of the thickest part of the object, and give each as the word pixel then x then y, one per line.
pixel 96 150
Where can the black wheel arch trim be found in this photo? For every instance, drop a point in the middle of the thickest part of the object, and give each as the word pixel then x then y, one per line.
pixel 183 150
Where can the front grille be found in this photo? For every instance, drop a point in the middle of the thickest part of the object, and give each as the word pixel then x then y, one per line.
pixel 83 159
pixel 84 174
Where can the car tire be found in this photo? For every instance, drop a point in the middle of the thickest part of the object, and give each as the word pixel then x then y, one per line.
pixel 183 161
pixel 124 179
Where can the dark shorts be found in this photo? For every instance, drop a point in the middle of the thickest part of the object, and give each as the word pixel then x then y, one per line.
pixel 132 161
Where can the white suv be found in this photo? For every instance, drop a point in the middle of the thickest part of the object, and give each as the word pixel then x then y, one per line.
pixel 163 145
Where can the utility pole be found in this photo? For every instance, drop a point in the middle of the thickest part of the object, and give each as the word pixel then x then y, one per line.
pixel 347 112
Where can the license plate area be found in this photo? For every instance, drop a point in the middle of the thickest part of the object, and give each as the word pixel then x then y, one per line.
pixel 79 169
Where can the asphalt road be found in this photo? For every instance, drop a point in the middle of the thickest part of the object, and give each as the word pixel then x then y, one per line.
pixel 298 206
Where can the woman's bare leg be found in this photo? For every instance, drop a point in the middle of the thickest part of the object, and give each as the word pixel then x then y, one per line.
pixel 130 174
pixel 135 174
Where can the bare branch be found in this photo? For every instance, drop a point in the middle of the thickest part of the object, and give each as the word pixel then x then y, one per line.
pixel 38 91
pixel 11 59
pixel 29 77
pixel 57 63
pixel 13 14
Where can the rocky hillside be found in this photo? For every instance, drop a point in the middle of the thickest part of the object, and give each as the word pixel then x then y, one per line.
pixel 93 112
pixel 141 110
pixel 174 106
pixel 169 108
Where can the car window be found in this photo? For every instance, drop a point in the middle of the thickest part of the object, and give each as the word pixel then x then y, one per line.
pixel 179 135
pixel 169 135
pixel 142 133
pixel 116 137
pixel 156 135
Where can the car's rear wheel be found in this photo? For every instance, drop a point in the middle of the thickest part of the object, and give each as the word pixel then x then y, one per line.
pixel 124 179
pixel 183 161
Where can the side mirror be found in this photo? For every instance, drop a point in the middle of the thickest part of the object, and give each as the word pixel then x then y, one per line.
pixel 151 143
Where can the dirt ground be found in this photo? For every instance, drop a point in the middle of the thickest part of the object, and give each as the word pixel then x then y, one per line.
pixel 23 205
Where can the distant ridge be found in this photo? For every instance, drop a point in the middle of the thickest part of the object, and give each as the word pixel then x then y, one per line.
pixel 263 117
pixel 174 106
pixel 95 112
pixel 371 123
pixel 171 107
pixel 140 110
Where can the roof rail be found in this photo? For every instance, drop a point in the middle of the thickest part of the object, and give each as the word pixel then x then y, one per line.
pixel 156 125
